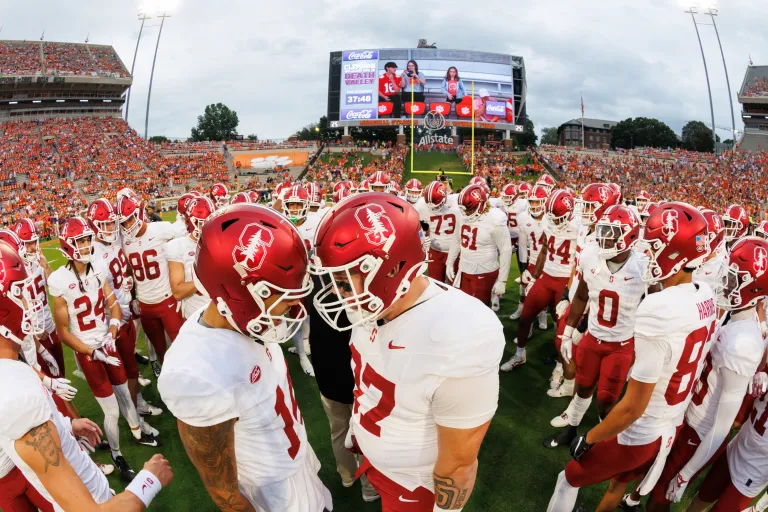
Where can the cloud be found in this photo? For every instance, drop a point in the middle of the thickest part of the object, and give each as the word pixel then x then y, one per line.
pixel 269 60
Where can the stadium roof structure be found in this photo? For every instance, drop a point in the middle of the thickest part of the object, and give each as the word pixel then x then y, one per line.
pixel 595 124
pixel 753 75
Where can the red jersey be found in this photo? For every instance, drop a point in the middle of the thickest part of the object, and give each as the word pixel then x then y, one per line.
pixel 389 87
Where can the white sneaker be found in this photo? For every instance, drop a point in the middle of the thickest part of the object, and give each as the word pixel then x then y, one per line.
pixel 144 382
pixel 149 410
pixel 563 390
pixel 543 321
pixel 495 303
pixel 306 365
pixel 107 469
pixel 560 421
pixel 514 361
pixel 146 428
pixel 518 312
pixel 556 378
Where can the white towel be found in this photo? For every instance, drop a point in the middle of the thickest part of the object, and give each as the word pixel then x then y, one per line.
pixel 649 482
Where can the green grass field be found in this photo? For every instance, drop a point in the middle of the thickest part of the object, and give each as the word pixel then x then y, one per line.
pixel 432 162
pixel 516 473
pixel 366 158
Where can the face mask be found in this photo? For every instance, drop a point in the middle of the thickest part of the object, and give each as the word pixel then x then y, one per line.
pixel 354 315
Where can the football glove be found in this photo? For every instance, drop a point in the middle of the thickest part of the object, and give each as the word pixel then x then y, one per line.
pixel 580 447
pixel 108 343
pixel 562 307
pixel 135 308
pixel 499 288
pixel 49 360
pixel 576 337
pixel 127 284
pixel 676 489
pixel 450 275
pixel 99 355
pixel 61 387
pixel 758 385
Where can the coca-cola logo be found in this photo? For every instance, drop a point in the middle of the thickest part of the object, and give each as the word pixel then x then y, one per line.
pixel 361 55
pixel 495 107
pixel 365 113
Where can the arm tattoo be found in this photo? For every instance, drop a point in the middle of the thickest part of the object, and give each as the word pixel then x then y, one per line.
pixel 447 495
pixel 43 442
pixel 212 451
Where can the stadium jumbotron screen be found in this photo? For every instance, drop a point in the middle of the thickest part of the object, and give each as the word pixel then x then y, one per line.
pixel 375 87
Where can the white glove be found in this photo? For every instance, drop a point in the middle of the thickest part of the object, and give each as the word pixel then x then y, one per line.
pixel 85 445
pixel 61 387
pixel 529 285
pixel 450 275
pixel 758 385
pixel 49 360
pixel 500 288
pixel 348 444
pixel 566 344
pixel 135 307
pixel 127 284
pixel 99 355
pixel 526 278
pixel 108 343
pixel 562 307
pixel 676 489
pixel 426 242
pixel 763 329
pixel 576 337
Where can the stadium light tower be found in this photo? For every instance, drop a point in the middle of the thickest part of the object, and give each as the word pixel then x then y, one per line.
pixel 692 11
pixel 712 12
pixel 142 17
pixel 152 74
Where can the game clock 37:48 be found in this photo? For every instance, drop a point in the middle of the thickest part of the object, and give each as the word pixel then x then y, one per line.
pixel 355 99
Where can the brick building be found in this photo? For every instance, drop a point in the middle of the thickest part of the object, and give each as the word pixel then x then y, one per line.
pixel 597 133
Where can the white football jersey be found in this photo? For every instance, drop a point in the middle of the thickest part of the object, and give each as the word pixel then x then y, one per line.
pixel 518 207
pixel 707 272
pixel 37 271
pixel 560 250
pixel 110 261
pixel 308 229
pixel 399 365
pixel 748 452
pixel 480 242
pixel 530 236
pixel 585 238
pixel 613 297
pixel 738 347
pixel 87 307
pixel 147 260
pixel 442 225
pixel 673 327
pixel 29 406
pixel 496 202
pixel 183 250
pixel 6 464
pixel 214 375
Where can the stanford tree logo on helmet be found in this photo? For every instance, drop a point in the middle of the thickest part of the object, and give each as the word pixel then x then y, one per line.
pixel 252 250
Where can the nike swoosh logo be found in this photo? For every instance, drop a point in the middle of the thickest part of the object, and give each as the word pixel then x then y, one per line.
pixel 624 343
pixel 628 278
pixel 692 443
pixel 394 347
pixel 405 500
pixel 150 239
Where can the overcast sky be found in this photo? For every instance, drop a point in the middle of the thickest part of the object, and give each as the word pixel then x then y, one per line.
pixel 268 60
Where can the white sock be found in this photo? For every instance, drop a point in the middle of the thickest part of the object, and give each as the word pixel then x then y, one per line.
pixel 564 497
pixel 762 503
pixel 543 317
pixel 568 384
pixel 520 351
pixel 140 402
pixel 559 367
pixel 111 416
pixel 579 409
pixel 128 409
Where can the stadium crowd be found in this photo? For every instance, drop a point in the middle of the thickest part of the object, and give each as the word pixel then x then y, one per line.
pixel 757 87
pixel 62 59
pixel 350 164
pixel 494 162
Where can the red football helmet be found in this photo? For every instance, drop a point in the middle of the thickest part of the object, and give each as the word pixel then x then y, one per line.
pixel 12 239
pixel 559 210
pixel 380 182
pixel 675 237
pixel 413 190
pixel 75 230
pixel 736 222
pixel 509 195
pixel 617 192
pixel 126 192
pixel 277 193
pixel 596 198
pixel 339 185
pixel 524 189
pixel 241 197
pixel 473 202
pixel 27 232
pixel 181 206
pixel 546 181
pixel 647 211
pixel 295 203
pixel 743 279
pixel 394 189
pixel 435 196
pixel 477 180
pixel 198 211
pixel 536 199
pixel 195 193
pixel 642 199
pixel 352 186
pixel 762 229
pixel 220 195
pixel 102 218
pixel 618 230
pixel 715 229
pixel 368 250
pixel 365 186
pixel 340 194
pixel 131 215
pixel 21 307
pixel 255 196
pixel 315 195
pixel 247 254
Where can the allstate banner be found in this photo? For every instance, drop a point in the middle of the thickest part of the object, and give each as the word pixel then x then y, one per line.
pixel 429 137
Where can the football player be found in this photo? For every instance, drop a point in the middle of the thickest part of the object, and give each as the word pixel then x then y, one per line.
pixel 530 241
pixel 707 272
pixel 109 260
pixel 316 200
pixel 241 197
pixel 81 295
pixel 36 438
pixel 225 378
pixel 546 181
pixel 728 372
pixel 219 194
pixel 736 224
pixel 443 220
pixel 413 191
pixel 181 252
pixel 672 333
pixel 612 286
pixel 143 245
pixel 481 243
pixel 425 356
pixel 553 266
pixel 380 182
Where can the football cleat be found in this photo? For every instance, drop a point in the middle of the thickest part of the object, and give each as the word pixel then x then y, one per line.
pixel 156 368
pixel 126 473
pixel 495 303
pixel 518 312
pixel 148 409
pixel 140 359
pixel 560 421
pixel 629 505
pixel 564 438
pixel 150 430
pixel 369 498
pixel 107 469
pixel 563 390
pixel 144 382
pixel 514 361
pixel 543 321
pixel 292 350
pixel 148 440
pixel 306 365
pixel 556 378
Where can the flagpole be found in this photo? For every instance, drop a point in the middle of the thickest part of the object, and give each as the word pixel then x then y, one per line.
pixel 412 154
pixel 473 128
pixel 582 120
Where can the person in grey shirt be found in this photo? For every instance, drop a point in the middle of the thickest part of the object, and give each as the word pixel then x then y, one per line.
pixel 412 79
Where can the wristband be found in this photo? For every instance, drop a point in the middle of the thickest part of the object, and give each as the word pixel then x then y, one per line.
pixel 566 293
pixel 115 322
pixel 145 487
pixel 438 509
pixel 568 331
